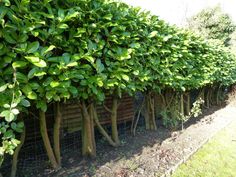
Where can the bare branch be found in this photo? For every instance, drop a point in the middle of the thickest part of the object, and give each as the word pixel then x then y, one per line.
pixel 107 109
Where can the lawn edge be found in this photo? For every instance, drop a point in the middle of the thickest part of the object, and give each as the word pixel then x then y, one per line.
pixel 185 158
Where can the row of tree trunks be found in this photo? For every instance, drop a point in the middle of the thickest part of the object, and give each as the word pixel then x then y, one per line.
pixel 213 95
pixel 53 152
pixel 154 104
pixel 88 138
pixel 89 117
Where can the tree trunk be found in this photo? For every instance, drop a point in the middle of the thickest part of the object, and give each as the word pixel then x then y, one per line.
pixel 218 95
pixel 150 112
pixel 102 130
pixel 182 110
pixel 182 104
pixel 46 141
pixel 56 133
pixel 114 134
pixel 88 139
pixel 207 98
pixel 146 114
pixel 210 96
pixel 16 153
pixel 201 96
pixel 188 108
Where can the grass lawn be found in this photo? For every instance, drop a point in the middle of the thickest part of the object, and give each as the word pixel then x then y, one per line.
pixel 217 158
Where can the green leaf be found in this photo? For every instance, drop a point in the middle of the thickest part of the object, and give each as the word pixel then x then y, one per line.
pixel 42 105
pixel 9 116
pixel 153 34
pixel 36 61
pixel 26 89
pixel 89 58
pixel 32 47
pixel 72 64
pixel 25 103
pixel 125 77
pixel 20 77
pixel 15 111
pixel 45 50
pixel 108 16
pixel 19 64
pixel 3 87
pixel 5 113
pixel 32 59
pixel 63 26
pixel 36 72
pixel 9 134
pixel 73 90
pixel 54 84
pixel 99 66
pixel 9 38
pixel 49 95
pixel 41 64
pixel 32 95
pixel 17 127
pixel 20 124
pixel 6 106
pixel 84 95
pixel 13 125
pixel 7 59
pixel 99 82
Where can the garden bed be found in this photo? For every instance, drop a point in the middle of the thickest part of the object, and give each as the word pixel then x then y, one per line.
pixel 149 153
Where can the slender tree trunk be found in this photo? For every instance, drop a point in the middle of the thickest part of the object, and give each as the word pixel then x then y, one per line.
pixel 182 104
pixel 115 135
pixel 152 112
pixel 91 111
pixel 149 113
pixel 46 141
pixel 136 119
pixel 56 133
pixel 188 108
pixel 207 98
pixel 210 96
pixel 146 114
pixel 16 153
pixel 201 96
pixel 182 109
pixel 88 139
pixel 102 130
pixel 218 95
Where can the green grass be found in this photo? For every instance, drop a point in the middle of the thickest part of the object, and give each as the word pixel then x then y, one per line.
pixel 217 158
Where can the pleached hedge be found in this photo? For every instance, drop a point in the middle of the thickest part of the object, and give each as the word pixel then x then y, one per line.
pixel 55 50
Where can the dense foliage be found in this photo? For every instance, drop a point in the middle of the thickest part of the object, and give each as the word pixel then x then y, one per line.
pixel 88 49
pixel 212 23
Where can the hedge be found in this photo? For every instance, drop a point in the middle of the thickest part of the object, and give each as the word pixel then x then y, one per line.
pixel 87 49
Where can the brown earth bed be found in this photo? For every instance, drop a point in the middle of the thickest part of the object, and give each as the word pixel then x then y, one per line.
pixel 148 153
